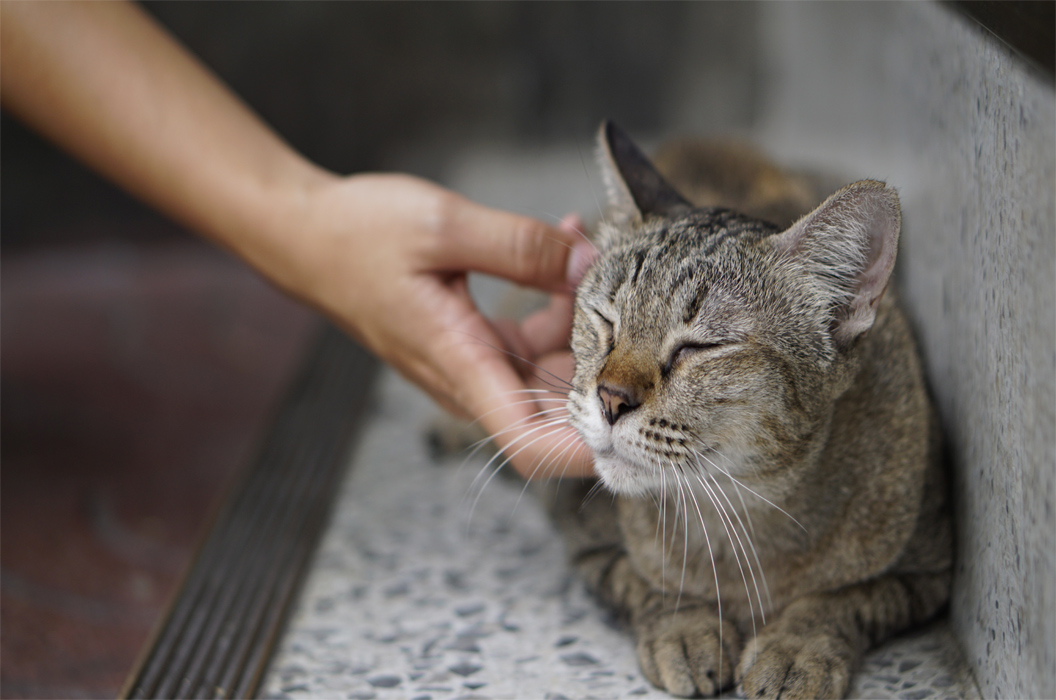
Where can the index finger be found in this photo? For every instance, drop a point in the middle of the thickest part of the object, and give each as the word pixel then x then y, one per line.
pixel 517 248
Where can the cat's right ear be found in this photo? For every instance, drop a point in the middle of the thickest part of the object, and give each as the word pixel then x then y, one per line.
pixel 635 189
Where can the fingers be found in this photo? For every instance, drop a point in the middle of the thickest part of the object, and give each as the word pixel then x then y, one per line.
pixel 584 252
pixel 549 329
pixel 447 347
pixel 465 365
pixel 535 436
pixel 529 426
pixel 518 349
pixel 517 248
pixel 545 331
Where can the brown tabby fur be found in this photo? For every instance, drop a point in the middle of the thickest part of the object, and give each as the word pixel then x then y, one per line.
pixel 756 404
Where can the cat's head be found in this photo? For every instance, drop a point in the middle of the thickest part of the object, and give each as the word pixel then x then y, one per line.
pixel 707 340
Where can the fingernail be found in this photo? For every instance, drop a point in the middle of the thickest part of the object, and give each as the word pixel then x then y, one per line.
pixel 579 261
pixel 572 222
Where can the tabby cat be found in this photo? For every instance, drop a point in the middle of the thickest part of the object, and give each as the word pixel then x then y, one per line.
pixel 755 402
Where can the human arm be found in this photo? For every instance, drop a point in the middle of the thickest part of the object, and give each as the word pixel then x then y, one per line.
pixel 383 255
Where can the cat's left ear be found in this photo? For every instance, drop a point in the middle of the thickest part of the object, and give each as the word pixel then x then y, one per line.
pixel 636 190
pixel 849 245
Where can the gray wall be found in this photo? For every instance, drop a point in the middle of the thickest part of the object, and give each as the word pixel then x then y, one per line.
pixel 917 95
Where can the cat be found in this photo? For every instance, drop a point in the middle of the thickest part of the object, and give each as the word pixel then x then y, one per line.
pixel 756 405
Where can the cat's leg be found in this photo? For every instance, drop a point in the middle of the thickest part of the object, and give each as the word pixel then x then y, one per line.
pixel 811 650
pixel 680 643
pixel 686 650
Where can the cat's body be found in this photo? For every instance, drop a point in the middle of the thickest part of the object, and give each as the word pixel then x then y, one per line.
pixel 756 404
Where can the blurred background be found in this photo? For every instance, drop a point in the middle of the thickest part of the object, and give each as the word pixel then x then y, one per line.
pixel 140 365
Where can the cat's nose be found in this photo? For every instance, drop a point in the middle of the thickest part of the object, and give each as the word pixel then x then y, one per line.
pixel 617 401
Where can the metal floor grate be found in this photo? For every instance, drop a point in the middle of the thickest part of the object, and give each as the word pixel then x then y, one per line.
pixel 218 635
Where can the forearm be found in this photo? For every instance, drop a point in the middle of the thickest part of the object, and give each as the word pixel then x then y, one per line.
pixel 386 256
pixel 103 81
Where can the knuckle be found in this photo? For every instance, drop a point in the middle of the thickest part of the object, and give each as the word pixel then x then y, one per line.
pixel 439 220
pixel 443 214
pixel 532 258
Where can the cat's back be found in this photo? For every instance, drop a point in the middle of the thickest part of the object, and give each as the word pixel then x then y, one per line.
pixel 731 173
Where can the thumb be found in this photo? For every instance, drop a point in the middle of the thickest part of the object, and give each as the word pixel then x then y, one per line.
pixel 518 248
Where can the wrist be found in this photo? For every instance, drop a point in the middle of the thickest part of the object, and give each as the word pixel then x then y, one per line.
pixel 267 224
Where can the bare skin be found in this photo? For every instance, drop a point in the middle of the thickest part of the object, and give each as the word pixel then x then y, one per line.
pixel 384 255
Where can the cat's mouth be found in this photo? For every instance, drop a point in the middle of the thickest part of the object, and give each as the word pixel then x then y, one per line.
pixel 631 468
pixel 626 477
pixel 620 465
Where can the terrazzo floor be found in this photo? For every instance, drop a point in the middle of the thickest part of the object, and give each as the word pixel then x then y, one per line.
pixel 426 588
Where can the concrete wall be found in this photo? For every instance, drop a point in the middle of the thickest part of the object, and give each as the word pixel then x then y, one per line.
pixel 917 95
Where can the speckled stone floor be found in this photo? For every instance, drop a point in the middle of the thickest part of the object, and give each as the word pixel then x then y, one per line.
pixel 423 590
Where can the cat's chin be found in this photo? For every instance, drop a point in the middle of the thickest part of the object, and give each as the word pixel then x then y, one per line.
pixel 626 478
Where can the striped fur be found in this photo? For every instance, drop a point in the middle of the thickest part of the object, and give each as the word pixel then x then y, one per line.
pixel 755 402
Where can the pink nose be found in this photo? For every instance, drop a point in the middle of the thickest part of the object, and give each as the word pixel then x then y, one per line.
pixel 617 401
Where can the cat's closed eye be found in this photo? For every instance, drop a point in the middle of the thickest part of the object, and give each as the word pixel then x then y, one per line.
pixel 683 352
pixel 607 337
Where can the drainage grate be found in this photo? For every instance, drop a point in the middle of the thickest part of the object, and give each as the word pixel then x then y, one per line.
pixel 218 636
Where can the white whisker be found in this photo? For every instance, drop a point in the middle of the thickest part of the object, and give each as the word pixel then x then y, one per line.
pixel 555 409
pixel 567 445
pixel 545 425
pixel 517 425
pixel 496 471
pixel 727 524
pixel 564 469
pixel 685 538
pixel 754 493
pixel 714 571
pixel 749 538
pixel 661 522
pixel 547 416
pixel 594 491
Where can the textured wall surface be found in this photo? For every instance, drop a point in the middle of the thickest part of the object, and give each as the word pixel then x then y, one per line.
pixel 919 96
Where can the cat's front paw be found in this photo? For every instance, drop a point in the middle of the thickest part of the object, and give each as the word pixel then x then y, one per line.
pixel 687 652
pixel 789 666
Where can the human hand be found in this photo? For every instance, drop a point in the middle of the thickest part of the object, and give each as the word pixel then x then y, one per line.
pixel 387 256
